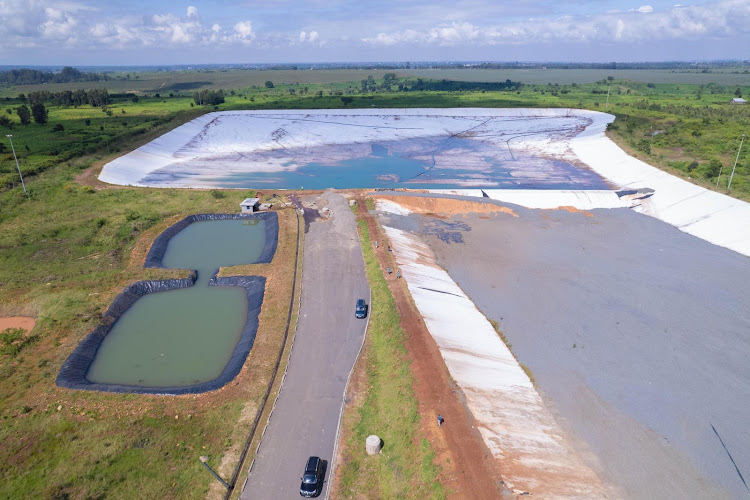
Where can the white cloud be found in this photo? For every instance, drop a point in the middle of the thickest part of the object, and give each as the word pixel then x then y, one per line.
pixel 719 20
pixel 243 33
pixel 30 23
pixel 41 25
pixel 312 38
pixel 60 25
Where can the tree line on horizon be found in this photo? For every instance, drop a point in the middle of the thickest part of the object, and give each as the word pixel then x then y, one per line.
pixel 26 76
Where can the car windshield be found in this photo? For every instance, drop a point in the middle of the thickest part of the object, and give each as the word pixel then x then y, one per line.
pixel 309 479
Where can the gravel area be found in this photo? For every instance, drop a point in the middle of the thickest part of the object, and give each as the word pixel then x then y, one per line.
pixel 636 333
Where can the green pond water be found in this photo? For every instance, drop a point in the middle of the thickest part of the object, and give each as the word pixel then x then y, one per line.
pixel 184 337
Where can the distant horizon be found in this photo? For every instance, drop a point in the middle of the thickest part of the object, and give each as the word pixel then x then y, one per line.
pixel 421 64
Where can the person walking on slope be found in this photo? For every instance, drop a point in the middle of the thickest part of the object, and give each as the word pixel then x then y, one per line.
pixel 440 420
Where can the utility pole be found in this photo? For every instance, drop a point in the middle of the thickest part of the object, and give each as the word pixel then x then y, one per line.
pixel 735 162
pixel 10 137
pixel 203 460
pixel 608 87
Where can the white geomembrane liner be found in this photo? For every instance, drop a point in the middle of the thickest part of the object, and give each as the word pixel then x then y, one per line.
pixel 214 145
pixel 391 207
pixel 518 429
pixel 714 217
pixel 582 199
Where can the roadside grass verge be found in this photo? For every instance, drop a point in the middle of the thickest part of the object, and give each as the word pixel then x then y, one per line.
pixel 405 467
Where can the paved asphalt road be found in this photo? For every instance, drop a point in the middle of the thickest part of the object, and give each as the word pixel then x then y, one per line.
pixel 327 342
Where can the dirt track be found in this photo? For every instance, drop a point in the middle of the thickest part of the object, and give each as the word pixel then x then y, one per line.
pixel 468 468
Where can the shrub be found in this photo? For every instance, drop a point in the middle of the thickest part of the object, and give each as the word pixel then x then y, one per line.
pixel 58 128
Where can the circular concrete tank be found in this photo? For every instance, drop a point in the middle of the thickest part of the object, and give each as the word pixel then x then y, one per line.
pixel 372 445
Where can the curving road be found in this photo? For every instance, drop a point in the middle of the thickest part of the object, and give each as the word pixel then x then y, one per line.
pixel 326 345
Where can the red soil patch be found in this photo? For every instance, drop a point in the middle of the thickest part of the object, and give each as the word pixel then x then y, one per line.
pixel 574 210
pixel 17 322
pixel 445 206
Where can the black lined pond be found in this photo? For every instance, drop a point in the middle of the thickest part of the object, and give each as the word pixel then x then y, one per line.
pixel 174 334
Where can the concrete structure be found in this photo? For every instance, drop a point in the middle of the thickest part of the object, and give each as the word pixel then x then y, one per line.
pixel 250 204
pixel 373 444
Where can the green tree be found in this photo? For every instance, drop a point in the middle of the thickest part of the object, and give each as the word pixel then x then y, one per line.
pixel 713 169
pixel 98 97
pixel 39 112
pixel 24 114
pixel 347 100
pixel 208 97
pixel 738 92
pixel 269 84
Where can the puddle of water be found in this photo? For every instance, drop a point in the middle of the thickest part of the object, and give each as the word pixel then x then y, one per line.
pixel 187 336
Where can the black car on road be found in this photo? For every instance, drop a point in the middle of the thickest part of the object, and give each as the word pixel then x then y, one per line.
pixel 312 479
pixel 360 310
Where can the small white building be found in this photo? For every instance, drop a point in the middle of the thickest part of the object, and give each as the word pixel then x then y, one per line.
pixel 738 100
pixel 250 204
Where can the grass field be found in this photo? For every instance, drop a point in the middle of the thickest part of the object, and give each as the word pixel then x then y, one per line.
pixel 65 252
pixel 164 82
pixel 581 76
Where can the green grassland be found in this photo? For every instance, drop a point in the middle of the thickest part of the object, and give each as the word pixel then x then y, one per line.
pixel 164 82
pixel 65 252
pixel 538 76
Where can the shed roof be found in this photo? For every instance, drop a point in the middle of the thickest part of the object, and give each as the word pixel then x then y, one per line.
pixel 250 201
pixel 739 100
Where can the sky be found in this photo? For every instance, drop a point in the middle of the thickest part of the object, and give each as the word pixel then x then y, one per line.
pixel 141 32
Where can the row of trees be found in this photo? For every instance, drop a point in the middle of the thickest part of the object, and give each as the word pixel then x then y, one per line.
pixel 94 97
pixel 405 85
pixel 37 111
pixel 34 77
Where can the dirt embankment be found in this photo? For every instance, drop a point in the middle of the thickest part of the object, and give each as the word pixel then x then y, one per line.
pixel 445 206
pixel 468 470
